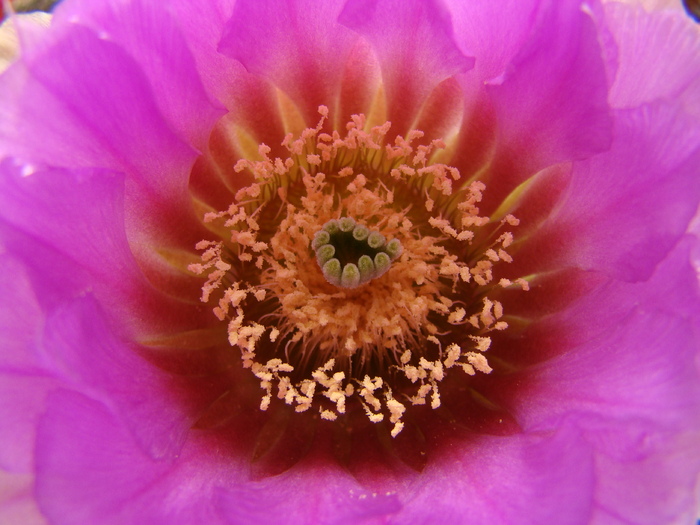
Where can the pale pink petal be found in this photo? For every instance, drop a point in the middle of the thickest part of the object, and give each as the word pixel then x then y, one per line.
pixel 18 503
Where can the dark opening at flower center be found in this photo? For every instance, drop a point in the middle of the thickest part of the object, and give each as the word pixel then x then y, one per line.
pixel 356 273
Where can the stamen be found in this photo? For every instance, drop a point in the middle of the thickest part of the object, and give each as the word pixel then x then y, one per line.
pixel 350 254
pixel 431 316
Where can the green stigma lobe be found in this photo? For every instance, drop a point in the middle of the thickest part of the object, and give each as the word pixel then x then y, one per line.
pixel 351 254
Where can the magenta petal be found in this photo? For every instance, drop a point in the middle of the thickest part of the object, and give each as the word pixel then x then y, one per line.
pixel 23 382
pixel 153 40
pixel 538 478
pixel 492 32
pixel 411 67
pixel 69 228
pixel 101 120
pixel 626 223
pixel 622 499
pixel 551 104
pixel 640 378
pixel 298 45
pixel 202 24
pixel 628 356
pixel 89 470
pixel 108 119
pixel 82 350
pixel 631 385
pixel 22 401
pixel 21 318
pixel 312 493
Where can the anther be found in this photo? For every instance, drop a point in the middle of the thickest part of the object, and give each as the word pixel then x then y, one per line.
pixel 351 254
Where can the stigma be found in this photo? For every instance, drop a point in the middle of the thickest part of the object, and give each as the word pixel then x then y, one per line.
pixel 349 254
pixel 356 273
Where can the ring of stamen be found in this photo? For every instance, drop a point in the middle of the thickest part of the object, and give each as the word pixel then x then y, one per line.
pixel 350 254
pixel 388 345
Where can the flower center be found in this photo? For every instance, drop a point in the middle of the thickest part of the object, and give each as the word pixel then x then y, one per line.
pixel 355 274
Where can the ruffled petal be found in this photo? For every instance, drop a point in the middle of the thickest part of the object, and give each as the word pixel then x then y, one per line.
pixel 152 38
pixel 250 100
pixel 672 469
pixel 551 103
pixel 202 25
pixel 90 470
pixel 626 223
pixel 81 350
pixel 630 383
pixel 109 119
pixel 68 228
pixel 23 381
pixel 646 345
pixel 22 401
pixel 77 214
pixel 493 32
pixel 21 319
pixel 314 492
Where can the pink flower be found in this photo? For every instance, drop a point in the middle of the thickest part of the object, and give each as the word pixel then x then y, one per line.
pixel 521 346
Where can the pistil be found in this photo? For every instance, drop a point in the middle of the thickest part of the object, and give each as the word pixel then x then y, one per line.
pixel 350 254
